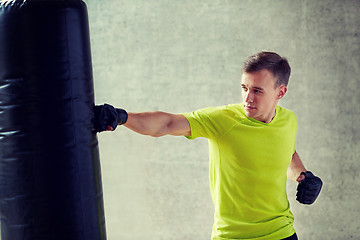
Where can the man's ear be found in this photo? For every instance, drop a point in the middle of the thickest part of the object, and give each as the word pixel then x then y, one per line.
pixel 281 91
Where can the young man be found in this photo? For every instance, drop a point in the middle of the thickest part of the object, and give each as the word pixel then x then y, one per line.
pixel 252 151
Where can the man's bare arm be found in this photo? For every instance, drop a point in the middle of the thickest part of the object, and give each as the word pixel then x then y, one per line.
pixel 158 124
pixel 295 168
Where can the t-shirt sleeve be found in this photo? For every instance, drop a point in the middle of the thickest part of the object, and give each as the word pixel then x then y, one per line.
pixel 203 123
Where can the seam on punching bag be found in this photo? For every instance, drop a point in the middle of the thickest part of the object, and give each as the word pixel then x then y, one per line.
pixel 72 115
pixel 73 120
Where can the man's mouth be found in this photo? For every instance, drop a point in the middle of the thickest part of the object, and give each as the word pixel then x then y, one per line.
pixel 249 107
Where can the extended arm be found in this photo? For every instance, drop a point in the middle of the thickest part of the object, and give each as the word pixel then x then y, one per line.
pixel 295 168
pixel 157 124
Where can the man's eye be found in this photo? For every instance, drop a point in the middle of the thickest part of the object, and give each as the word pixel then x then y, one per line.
pixel 258 91
pixel 244 88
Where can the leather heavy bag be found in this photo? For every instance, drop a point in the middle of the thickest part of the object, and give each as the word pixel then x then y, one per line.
pixel 50 179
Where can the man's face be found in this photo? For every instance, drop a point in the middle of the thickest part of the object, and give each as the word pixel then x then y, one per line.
pixel 260 96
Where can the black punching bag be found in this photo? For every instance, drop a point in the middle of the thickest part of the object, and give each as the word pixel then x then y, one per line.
pixel 50 180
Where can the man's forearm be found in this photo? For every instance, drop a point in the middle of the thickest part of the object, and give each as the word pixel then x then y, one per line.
pixel 295 168
pixel 148 123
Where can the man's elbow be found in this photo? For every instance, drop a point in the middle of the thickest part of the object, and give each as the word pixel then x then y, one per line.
pixel 160 132
pixel 156 134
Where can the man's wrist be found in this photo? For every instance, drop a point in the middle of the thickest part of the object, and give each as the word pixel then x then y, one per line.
pixel 122 116
pixel 301 176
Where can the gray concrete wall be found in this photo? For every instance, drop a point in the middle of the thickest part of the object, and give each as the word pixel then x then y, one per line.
pixel 178 56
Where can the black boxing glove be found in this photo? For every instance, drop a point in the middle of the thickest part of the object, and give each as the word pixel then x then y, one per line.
pixel 106 115
pixel 309 188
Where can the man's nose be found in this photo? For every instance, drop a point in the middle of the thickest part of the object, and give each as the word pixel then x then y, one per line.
pixel 249 97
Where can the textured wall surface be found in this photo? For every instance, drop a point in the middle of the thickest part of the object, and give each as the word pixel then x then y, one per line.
pixel 179 56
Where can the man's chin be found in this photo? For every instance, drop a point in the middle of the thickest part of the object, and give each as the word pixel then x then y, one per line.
pixel 249 114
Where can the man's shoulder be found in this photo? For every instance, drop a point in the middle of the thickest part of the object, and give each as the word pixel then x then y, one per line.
pixel 285 111
pixel 235 107
pixel 286 117
pixel 225 110
pixel 218 112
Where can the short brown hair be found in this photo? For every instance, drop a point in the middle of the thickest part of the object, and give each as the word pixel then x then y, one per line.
pixel 272 62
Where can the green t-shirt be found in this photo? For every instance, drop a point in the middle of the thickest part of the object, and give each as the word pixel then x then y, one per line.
pixel 248 165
